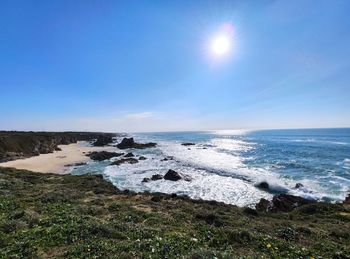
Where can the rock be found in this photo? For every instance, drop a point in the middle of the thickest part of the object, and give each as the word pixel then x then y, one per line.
pixel 263 185
pixel 130 143
pixel 146 180
pixel 125 160
pixel 76 164
pixel 142 158
pixel 172 175
pixel 286 202
pixel 58 149
pixel 347 200
pixel 263 205
pixel 126 143
pixel 167 158
pixel 103 141
pixel 156 177
pixel 129 155
pixel 188 144
pixel 282 203
pixel 299 185
pixel 103 155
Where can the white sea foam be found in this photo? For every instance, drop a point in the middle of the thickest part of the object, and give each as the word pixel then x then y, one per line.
pixel 218 172
pixel 215 175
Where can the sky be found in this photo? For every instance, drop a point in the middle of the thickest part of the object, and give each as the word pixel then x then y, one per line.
pixel 135 66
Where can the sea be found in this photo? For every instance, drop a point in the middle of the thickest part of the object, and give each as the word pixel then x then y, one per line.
pixel 228 165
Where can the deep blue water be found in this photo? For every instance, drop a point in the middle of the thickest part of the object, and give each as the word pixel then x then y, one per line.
pixel 227 165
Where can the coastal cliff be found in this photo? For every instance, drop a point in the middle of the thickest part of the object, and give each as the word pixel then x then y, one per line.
pixel 18 144
pixel 56 216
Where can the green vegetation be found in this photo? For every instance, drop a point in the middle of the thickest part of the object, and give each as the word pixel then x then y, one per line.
pixel 46 215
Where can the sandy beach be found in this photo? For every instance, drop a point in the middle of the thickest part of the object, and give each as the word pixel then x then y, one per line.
pixel 55 162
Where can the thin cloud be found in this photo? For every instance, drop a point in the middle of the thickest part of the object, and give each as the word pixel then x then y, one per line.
pixel 139 116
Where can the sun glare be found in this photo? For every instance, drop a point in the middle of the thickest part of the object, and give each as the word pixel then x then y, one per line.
pixel 220 45
pixel 222 42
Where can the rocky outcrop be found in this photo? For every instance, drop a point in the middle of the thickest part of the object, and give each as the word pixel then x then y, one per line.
pixel 172 175
pixel 156 177
pixel 167 158
pixel 129 155
pixel 142 158
pixel 103 155
pixel 263 185
pixel 103 141
pixel 298 185
pixel 19 144
pixel 130 143
pixel 282 203
pixel 146 180
pixel 188 144
pixel 125 161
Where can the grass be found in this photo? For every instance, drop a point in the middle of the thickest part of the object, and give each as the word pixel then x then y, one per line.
pixel 54 216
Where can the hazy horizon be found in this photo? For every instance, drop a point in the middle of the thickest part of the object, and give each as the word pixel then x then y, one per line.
pixel 142 66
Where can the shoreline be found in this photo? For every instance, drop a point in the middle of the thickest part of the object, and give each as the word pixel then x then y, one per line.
pixel 56 162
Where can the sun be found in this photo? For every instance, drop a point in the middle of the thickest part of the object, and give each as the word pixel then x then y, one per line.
pixel 221 45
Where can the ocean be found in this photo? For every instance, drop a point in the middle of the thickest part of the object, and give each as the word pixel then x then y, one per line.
pixel 227 165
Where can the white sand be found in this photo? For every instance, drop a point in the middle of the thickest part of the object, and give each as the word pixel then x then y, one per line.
pixel 55 162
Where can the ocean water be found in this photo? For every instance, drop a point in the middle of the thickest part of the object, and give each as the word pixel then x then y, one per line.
pixel 227 165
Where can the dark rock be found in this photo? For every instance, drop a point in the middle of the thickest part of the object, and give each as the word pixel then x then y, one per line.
pixel 76 164
pixel 263 205
pixel 173 195
pixel 58 149
pixel 126 143
pixel 103 141
pixel 347 200
pixel 282 203
pixel 299 185
pixel 167 158
pixel 129 155
pixel 172 175
pixel 103 155
pixel 156 177
pixel 263 185
pixel 286 202
pixel 146 180
pixel 188 144
pixel 125 160
pixel 130 143
pixel 142 158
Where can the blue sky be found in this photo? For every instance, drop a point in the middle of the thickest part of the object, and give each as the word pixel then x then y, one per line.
pixel 145 65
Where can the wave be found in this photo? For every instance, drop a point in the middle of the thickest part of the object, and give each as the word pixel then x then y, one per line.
pixel 318 141
pixel 226 169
